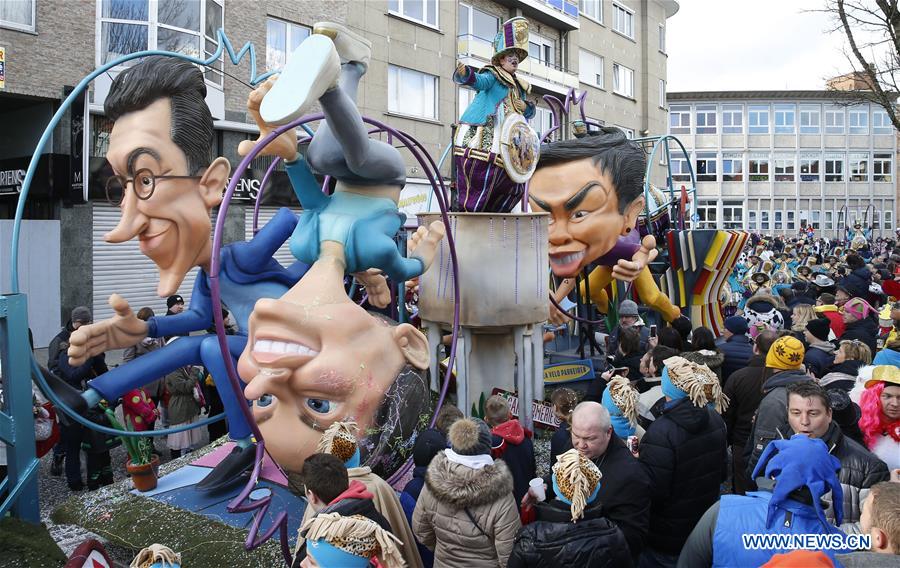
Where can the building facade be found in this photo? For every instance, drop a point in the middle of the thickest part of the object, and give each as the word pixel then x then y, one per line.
pixel 614 50
pixel 777 161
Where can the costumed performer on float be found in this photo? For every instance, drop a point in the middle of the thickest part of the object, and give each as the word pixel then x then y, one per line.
pixel 485 179
pixel 166 183
pixel 593 189
pixel 314 357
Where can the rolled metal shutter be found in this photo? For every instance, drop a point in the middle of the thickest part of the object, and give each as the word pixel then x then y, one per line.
pixel 283 255
pixel 123 269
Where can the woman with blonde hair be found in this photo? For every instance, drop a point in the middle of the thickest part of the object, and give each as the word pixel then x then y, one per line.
pixel 801 314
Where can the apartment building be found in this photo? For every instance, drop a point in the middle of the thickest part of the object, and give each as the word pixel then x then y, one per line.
pixel 777 161
pixel 612 49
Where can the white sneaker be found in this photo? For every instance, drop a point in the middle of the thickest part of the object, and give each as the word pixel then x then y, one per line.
pixel 351 46
pixel 313 68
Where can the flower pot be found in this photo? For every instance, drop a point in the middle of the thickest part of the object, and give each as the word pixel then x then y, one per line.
pixel 144 477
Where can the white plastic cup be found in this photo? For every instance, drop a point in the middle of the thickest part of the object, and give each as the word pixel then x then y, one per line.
pixel 537 488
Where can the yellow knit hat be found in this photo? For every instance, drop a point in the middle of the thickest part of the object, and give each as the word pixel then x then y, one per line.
pixel 786 354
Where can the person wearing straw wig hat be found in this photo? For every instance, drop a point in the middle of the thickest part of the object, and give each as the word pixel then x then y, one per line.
pixel 621 400
pixel 336 541
pixel 684 454
pixel 571 529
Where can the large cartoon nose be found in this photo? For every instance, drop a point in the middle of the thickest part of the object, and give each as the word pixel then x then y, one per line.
pixel 131 224
pixel 558 233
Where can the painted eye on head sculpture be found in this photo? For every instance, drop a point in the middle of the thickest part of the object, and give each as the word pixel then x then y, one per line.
pixel 319 405
pixel 264 400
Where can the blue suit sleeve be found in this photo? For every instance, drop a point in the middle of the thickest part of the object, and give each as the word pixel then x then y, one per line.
pixel 529 110
pixel 196 318
pixel 306 187
pixel 256 254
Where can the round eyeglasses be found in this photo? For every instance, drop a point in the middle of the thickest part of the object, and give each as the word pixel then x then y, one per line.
pixel 143 183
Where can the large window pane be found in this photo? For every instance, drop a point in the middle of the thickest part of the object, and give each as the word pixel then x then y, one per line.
pixel 484 25
pixel 276 44
pixel 122 39
pixel 183 14
pixel 411 92
pixel 121 9
pixel 214 19
pixel 414 9
pixel 18 13
pixel 178 42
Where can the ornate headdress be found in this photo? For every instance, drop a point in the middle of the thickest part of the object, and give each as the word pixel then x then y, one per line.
pixel 513 36
pixel 334 540
pixel 697 382
pixel 576 481
pixel 339 440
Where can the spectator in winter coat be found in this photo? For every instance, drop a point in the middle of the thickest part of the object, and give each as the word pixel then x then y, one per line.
pixel 735 346
pixel 511 443
pixel 428 444
pixel 881 521
pixel 820 355
pixel 705 352
pixel 571 529
pixel 466 512
pixel 625 491
pixel 184 408
pixel 803 472
pixel 744 390
pixel 861 322
pixel 827 306
pixel 880 422
pixel 684 453
pixel 786 358
pixel 809 413
pixel 564 401
pixel 858 280
pixel 890 355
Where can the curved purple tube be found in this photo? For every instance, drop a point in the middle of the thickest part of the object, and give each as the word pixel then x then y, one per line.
pixel 262 188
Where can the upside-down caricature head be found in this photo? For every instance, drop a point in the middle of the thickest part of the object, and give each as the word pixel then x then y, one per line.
pixel 592 187
pixel 160 149
pixel 314 357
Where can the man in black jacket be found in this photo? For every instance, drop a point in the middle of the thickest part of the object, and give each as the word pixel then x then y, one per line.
pixel 737 347
pixel 744 389
pixel 624 493
pixel 858 280
pixel 684 455
pixel 809 412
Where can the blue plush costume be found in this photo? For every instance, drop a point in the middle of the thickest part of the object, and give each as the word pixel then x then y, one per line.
pixel 364 225
pixel 247 273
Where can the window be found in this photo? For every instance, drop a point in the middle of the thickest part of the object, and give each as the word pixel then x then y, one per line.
pixel 592 9
pixel 751 221
pixel 706 213
pixel 816 219
pixel 732 119
pixel 763 220
pixel 542 121
pixel 214 19
pixel 881 122
pixel 859 167
pixel 834 167
pixel 282 38
pixel 876 222
pixel 889 216
pixel 784 168
pixel 662 38
pixel 475 24
pixel 623 20
pixel 758 167
pixel 679 165
pixel 127 26
pixel 809 167
pixel 784 119
pixel 662 93
pixel 623 80
pixel 859 120
pixel 779 217
pixel 424 11
pixel 17 15
pixel 590 68
pixel 706 166
pixel 732 166
pixel 706 119
pixel 541 49
pixel 809 119
pixel 834 120
pixel 881 167
pixel 732 215
pixel 679 119
pixel 466 96
pixel 829 220
pixel 758 119
pixel 412 92
pixel 791 220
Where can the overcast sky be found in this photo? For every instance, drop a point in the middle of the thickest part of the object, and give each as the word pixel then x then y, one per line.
pixel 723 45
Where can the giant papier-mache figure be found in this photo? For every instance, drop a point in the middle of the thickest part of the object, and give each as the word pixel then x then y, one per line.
pixel 495 150
pixel 592 187
pixel 314 357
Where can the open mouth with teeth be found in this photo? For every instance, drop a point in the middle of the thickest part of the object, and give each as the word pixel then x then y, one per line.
pixel 271 350
pixel 566 263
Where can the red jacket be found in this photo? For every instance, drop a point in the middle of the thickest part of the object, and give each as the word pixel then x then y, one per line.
pixel 834 316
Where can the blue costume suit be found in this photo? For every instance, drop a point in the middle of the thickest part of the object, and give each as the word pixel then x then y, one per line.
pixel 247 273
pixel 366 226
pixel 491 93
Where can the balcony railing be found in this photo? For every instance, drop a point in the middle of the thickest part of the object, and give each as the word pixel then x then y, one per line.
pixel 547 76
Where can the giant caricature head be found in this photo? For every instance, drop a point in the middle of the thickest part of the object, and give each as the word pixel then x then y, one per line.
pixel 160 149
pixel 593 189
pixel 314 357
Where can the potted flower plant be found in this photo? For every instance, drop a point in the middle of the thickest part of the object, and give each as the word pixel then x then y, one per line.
pixel 143 464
